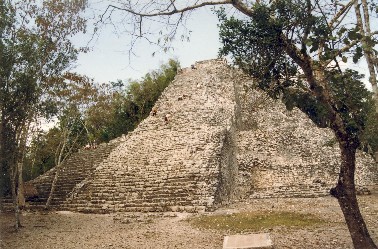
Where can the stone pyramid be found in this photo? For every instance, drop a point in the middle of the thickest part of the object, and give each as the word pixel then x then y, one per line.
pixel 212 140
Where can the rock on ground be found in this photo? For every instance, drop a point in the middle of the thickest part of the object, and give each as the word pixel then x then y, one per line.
pixel 171 230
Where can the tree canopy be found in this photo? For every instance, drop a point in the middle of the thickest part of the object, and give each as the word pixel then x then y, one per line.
pixel 294 49
pixel 256 46
pixel 35 51
pixel 113 110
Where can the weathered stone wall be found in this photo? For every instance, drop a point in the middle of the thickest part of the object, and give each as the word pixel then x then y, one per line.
pixel 282 153
pixel 185 163
pixel 75 169
pixel 212 140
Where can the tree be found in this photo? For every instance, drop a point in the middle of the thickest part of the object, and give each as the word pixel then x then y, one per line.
pixel 34 51
pixel 302 43
pixel 88 112
pixel 364 28
pixel 370 135
pixel 41 156
pixel 70 130
pixel 73 99
pixel 122 106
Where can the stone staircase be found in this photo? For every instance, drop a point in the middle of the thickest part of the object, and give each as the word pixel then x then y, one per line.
pixel 72 172
pixel 172 161
pixel 212 140
pixel 283 154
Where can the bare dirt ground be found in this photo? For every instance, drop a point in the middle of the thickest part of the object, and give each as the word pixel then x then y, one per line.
pixel 172 230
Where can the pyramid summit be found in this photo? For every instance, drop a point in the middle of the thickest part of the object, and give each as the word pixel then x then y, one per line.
pixel 211 139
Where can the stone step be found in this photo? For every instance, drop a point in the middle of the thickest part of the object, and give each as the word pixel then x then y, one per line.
pixel 217 141
pixel 74 170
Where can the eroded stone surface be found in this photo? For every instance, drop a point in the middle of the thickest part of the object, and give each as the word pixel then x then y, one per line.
pixel 185 163
pixel 213 139
pixel 248 241
pixel 283 154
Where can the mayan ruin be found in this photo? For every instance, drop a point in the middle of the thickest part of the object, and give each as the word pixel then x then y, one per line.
pixel 209 141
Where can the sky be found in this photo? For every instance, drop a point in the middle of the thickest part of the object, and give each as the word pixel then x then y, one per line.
pixel 109 58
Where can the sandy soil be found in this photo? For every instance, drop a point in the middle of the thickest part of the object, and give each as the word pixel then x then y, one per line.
pixel 172 230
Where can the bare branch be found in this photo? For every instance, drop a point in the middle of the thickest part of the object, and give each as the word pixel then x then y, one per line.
pixel 345 49
pixel 341 12
pixel 170 12
pixel 239 5
pixel 342 50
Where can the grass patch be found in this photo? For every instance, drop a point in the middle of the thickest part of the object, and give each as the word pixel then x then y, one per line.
pixel 251 221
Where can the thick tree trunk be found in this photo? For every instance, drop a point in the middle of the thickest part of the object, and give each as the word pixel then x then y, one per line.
pixel 345 192
pixel 8 155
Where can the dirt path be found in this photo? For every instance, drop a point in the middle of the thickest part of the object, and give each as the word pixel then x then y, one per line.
pixel 76 230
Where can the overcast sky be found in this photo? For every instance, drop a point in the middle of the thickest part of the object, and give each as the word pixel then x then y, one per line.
pixel 109 59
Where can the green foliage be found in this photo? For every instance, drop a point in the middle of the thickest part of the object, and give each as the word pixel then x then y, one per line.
pixel 41 156
pixel 353 100
pixel 369 138
pixel 125 108
pixel 255 47
pixel 260 46
pixel 35 50
pixel 91 113
pixel 45 147
pixel 254 222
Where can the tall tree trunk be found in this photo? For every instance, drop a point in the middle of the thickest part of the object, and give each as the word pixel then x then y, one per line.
pixel 20 161
pixel 2 164
pixel 14 177
pixel 8 163
pixel 58 162
pixel 20 187
pixel 53 187
pixel 345 192
pixel 364 27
